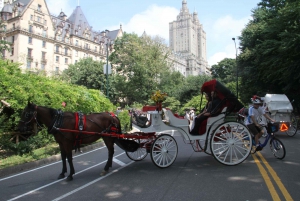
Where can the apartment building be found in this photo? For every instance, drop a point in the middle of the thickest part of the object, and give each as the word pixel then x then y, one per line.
pixel 41 41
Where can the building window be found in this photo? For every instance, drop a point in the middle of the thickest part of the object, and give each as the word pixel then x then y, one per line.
pixel 28 64
pixel 45 22
pixel 44 33
pixel 39 19
pixel 12 51
pixel 44 44
pixel 76 32
pixel 75 61
pixel 12 39
pixel 76 53
pixel 42 66
pixel 29 40
pixel 66 60
pixel 30 28
pixel 56 70
pixel 29 53
pixel 57 59
pixel 57 48
pixel 66 51
pixel 43 56
pixel 14 26
pixel 39 8
pixel 76 42
pixel 31 17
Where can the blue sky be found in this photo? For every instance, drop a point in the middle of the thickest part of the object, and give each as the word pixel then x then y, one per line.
pixel 221 19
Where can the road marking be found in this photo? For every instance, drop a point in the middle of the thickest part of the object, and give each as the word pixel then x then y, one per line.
pixel 266 178
pixel 119 162
pixel 47 165
pixel 32 191
pixel 285 193
pixel 92 182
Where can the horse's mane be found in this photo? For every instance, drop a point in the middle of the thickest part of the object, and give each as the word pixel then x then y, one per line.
pixel 52 111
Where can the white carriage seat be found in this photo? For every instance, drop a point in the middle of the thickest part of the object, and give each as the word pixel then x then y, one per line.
pixel 216 120
pixel 174 121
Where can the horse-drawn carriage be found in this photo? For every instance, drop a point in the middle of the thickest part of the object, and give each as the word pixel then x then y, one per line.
pixel 279 108
pixel 229 142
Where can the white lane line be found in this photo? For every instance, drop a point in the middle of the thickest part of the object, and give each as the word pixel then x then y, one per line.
pixel 119 162
pixel 92 182
pixel 32 191
pixel 47 165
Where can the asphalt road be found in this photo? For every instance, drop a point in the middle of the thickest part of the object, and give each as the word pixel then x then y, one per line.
pixel 193 176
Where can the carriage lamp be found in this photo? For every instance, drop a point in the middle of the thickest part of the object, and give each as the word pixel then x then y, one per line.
pixel 284 127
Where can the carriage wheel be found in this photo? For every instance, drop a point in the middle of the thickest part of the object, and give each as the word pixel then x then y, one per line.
pixel 277 148
pixel 293 127
pixel 231 143
pixel 164 151
pixel 140 153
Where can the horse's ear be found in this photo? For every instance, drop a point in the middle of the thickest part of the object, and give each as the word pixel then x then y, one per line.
pixel 28 104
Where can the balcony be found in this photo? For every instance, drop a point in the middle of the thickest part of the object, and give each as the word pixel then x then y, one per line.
pixel 29 57
pixel 43 60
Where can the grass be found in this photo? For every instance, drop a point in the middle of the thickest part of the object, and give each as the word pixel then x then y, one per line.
pixel 7 160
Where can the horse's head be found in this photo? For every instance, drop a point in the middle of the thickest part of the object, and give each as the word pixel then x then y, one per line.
pixel 28 117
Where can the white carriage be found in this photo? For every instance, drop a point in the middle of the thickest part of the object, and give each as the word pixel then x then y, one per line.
pixel 229 142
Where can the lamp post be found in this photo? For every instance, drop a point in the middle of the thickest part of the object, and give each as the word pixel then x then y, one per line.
pixel 237 83
pixel 108 43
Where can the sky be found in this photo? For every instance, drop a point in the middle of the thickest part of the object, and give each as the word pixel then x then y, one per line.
pixel 222 20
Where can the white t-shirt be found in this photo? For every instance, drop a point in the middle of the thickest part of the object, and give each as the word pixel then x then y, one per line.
pixel 257 113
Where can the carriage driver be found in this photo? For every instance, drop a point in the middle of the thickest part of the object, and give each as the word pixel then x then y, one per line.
pixel 255 112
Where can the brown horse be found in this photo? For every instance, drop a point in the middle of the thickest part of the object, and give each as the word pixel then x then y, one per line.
pixel 55 119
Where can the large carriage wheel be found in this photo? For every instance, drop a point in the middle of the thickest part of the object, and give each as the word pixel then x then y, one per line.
pixel 140 153
pixel 293 126
pixel 231 143
pixel 164 151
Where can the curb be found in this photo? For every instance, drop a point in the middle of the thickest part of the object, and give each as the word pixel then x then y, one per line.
pixel 34 164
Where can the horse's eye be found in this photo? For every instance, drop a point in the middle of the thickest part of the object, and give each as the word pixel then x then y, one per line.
pixel 27 114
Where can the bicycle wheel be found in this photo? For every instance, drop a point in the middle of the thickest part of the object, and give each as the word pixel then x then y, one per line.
pixel 293 126
pixel 277 148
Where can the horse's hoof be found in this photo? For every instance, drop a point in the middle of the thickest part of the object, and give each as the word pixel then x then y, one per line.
pixel 104 172
pixel 69 178
pixel 61 176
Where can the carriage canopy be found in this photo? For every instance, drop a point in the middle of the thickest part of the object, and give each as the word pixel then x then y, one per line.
pixel 233 104
pixel 278 103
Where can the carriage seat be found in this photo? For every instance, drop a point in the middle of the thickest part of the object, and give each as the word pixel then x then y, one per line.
pixel 173 120
pixel 204 126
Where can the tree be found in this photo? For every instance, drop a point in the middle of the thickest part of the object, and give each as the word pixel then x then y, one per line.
pixel 270 50
pixel 139 63
pixel 224 71
pixel 4 45
pixel 86 72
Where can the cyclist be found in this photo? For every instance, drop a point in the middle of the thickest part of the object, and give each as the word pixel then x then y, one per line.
pixel 255 112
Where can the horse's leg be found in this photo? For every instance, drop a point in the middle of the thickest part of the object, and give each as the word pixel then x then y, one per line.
pixel 109 142
pixel 63 160
pixel 70 161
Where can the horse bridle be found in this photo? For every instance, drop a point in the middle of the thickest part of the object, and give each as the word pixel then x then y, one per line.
pixel 32 118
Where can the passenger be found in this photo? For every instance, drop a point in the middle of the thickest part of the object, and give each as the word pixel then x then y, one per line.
pixel 212 102
pixel 255 112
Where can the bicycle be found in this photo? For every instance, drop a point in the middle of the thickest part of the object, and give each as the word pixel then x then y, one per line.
pixel 276 146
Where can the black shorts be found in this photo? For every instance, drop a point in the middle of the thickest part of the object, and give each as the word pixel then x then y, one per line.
pixel 254 129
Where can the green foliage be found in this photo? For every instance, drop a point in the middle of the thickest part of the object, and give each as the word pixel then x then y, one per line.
pixel 270 58
pixel 224 71
pixel 139 63
pixel 86 72
pixel 20 87
pixel 4 45
pixel 191 87
pixel 125 120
